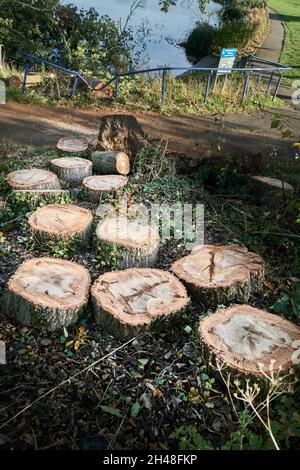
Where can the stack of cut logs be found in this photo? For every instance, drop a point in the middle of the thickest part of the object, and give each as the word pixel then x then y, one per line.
pixel 51 293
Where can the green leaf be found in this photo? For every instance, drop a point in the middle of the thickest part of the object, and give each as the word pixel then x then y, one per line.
pixel 143 362
pixel 135 409
pixel 112 411
pixel 188 329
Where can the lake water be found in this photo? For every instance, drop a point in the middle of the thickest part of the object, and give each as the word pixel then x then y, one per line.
pixel 174 25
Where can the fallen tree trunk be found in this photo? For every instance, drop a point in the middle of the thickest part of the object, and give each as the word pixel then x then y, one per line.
pixel 124 244
pixel 62 222
pixel 33 179
pixel 111 163
pixel 99 186
pixel 47 293
pixel 73 170
pixel 127 303
pixel 250 341
pixel 271 188
pixel 220 274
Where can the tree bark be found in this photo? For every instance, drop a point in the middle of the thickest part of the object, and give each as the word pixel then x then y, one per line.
pixel 33 179
pixel 73 170
pixel 99 186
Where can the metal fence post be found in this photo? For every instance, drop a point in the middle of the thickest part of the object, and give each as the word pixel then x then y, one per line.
pixel 117 86
pixel 207 86
pixel 25 77
pixel 74 85
pixel 277 87
pixel 246 86
pixel 270 82
pixel 163 86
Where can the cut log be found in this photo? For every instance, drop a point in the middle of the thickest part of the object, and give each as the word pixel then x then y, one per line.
pixel 126 303
pixel 121 132
pixel 72 145
pixel 99 186
pixel 33 179
pixel 250 340
pixel 111 163
pixel 49 195
pixel 220 274
pixel 73 170
pixel 47 292
pixel 273 183
pixel 271 190
pixel 62 221
pixel 125 244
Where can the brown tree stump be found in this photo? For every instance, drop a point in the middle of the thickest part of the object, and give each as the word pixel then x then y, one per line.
pixel 99 186
pixel 121 132
pixel 72 145
pixel 111 163
pixel 47 292
pixel 250 340
pixel 128 302
pixel 73 170
pixel 125 244
pixel 33 179
pixel 220 274
pixel 62 221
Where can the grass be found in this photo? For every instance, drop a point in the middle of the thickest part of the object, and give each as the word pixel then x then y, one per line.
pixel 289 11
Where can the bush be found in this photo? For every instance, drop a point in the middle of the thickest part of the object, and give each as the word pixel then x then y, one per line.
pixel 232 13
pixel 198 42
pixel 231 34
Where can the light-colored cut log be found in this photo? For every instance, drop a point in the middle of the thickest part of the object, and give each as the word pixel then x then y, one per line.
pixel 111 163
pixel 47 292
pixel 128 302
pixel 273 183
pixel 250 340
pixel 99 186
pixel 125 244
pixel 220 274
pixel 33 179
pixel 72 145
pixel 62 221
pixel 73 170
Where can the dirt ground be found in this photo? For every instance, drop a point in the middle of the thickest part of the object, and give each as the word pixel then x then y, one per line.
pixel 194 136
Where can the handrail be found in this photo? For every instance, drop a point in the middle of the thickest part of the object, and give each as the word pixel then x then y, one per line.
pixel 164 69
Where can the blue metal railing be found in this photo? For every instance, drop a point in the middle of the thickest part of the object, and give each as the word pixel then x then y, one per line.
pixel 271 71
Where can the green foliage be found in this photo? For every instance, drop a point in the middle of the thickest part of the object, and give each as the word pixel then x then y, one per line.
pixel 231 33
pixel 198 43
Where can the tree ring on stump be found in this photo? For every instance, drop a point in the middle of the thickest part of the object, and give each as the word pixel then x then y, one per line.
pixel 128 302
pixel 33 179
pixel 72 145
pixel 62 221
pixel 250 340
pixel 129 243
pixel 221 274
pixel 98 186
pixel 72 169
pixel 47 292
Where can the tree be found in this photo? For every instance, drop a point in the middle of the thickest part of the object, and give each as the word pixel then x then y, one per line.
pixel 166 4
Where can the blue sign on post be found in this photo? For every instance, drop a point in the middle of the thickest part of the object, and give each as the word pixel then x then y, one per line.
pixel 227 59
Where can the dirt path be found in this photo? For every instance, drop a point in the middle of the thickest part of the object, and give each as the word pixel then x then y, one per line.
pixel 196 136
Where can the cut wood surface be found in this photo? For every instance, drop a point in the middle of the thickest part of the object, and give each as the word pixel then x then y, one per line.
pixel 33 179
pixel 98 186
pixel 72 169
pixel 72 145
pixel 47 292
pixel 273 183
pixel 248 339
pixel 127 302
pixel 62 221
pixel 111 163
pixel 132 243
pixel 221 274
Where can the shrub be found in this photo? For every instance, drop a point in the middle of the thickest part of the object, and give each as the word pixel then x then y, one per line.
pixel 198 42
pixel 231 34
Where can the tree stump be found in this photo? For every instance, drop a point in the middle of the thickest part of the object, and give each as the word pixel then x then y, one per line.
pixel 250 340
pixel 33 179
pixel 121 132
pixel 99 186
pixel 62 222
pixel 73 170
pixel 125 244
pixel 126 303
pixel 220 274
pixel 111 163
pixel 47 292
pixel 266 188
pixel 72 145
